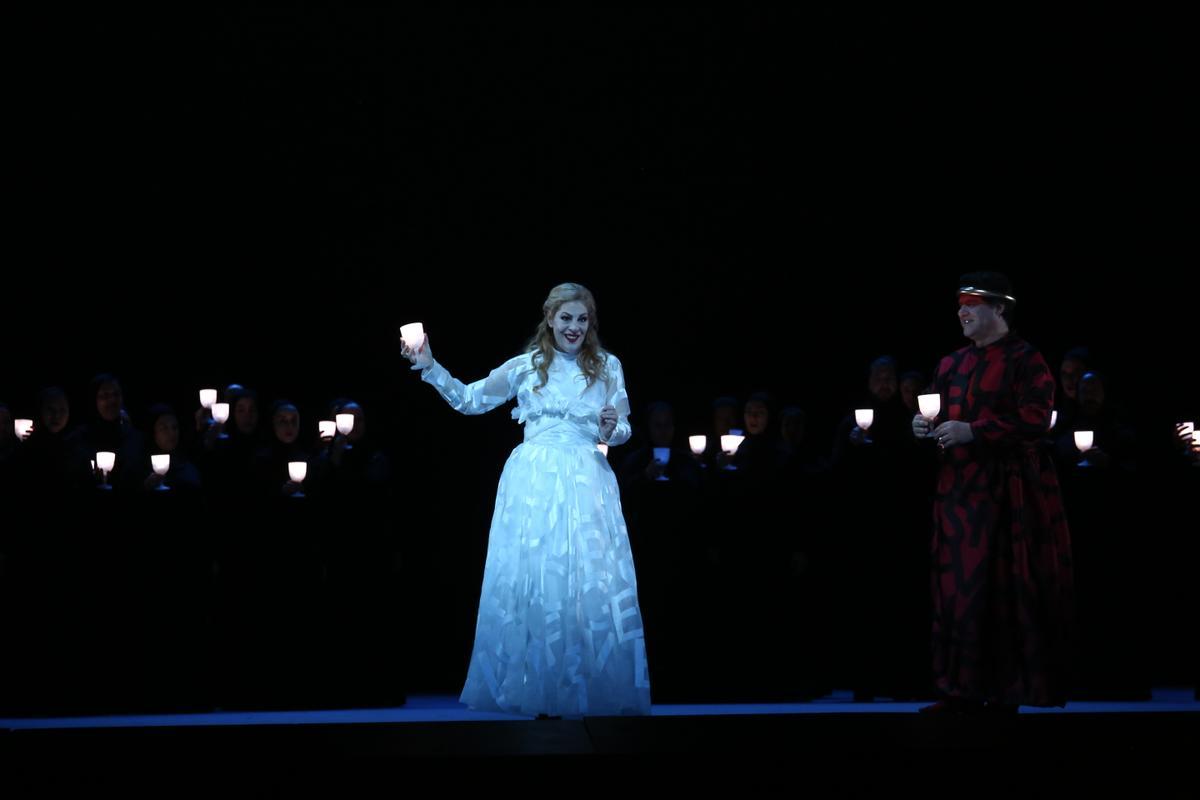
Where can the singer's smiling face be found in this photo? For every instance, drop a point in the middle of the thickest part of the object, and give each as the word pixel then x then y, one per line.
pixel 570 323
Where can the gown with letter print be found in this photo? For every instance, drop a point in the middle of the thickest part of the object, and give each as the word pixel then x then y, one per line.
pixel 559 629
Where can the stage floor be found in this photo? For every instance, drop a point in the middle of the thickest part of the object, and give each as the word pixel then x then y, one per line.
pixel 439 708
pixel 833 743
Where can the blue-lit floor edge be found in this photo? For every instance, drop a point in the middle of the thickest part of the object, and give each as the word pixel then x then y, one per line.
pixel 435 708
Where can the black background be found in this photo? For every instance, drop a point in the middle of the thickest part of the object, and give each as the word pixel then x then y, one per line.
pixel 759 198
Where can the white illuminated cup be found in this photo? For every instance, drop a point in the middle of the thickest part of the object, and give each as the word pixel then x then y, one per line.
pixel 161 464
pixel 413 334
pixel 930 405
pixel 1084 441
pixel 105 460
pixel 297 472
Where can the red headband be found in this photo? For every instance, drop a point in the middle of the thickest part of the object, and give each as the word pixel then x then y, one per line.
pixel 971 300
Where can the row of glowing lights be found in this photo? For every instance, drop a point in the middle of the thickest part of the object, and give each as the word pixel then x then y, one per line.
pixel 413 335
pixel 930 404
pixel 105 460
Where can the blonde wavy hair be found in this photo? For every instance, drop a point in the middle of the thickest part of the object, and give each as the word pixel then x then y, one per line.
pixel 591 358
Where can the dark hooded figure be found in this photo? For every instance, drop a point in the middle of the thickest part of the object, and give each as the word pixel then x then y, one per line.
pixel 110 430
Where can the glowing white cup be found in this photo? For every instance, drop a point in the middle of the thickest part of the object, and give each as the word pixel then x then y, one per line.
pixel 698 444
pixel 930 405
pixel 1053 419
pixel 864 417
pixel 413 334
pixel 208 397
pixel 105 461
pixel 161 464
pixel 345 424
pixel 327 428
pixel 220 412
pixel 730 443
pixel 297 472
pixel 1084 441
pixel 22 427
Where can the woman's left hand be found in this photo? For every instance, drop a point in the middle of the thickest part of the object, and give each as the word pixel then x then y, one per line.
pixel 608 422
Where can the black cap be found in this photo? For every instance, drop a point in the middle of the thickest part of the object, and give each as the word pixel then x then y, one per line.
pixel 992 285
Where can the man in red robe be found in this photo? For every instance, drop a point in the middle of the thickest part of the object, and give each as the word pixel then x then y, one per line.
pixel 1001 551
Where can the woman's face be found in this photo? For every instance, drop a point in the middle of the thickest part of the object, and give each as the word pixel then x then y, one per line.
pixel 166 433
pixel 56 413
pixel 108 401
pixel 756 417
pixel 725 418
pixel 661 427
pixel 792 428
pixel 570 324
pixel 245 415
pixel 286 423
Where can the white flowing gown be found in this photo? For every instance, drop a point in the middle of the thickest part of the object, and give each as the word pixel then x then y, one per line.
pixel 559 629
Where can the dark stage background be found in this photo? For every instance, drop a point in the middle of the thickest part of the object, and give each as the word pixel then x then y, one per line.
pixel 759 197
pixel 273 191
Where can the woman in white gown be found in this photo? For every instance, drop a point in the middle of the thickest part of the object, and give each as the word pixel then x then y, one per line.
pixel 559 630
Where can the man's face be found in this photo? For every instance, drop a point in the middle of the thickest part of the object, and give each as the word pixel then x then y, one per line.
pixel 980 321
pixel 882 383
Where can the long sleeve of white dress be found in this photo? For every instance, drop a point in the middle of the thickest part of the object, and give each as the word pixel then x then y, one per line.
pixel 479 397
pixel 619 399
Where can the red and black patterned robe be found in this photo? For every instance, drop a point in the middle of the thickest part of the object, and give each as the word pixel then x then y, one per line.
pixel 1002 578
